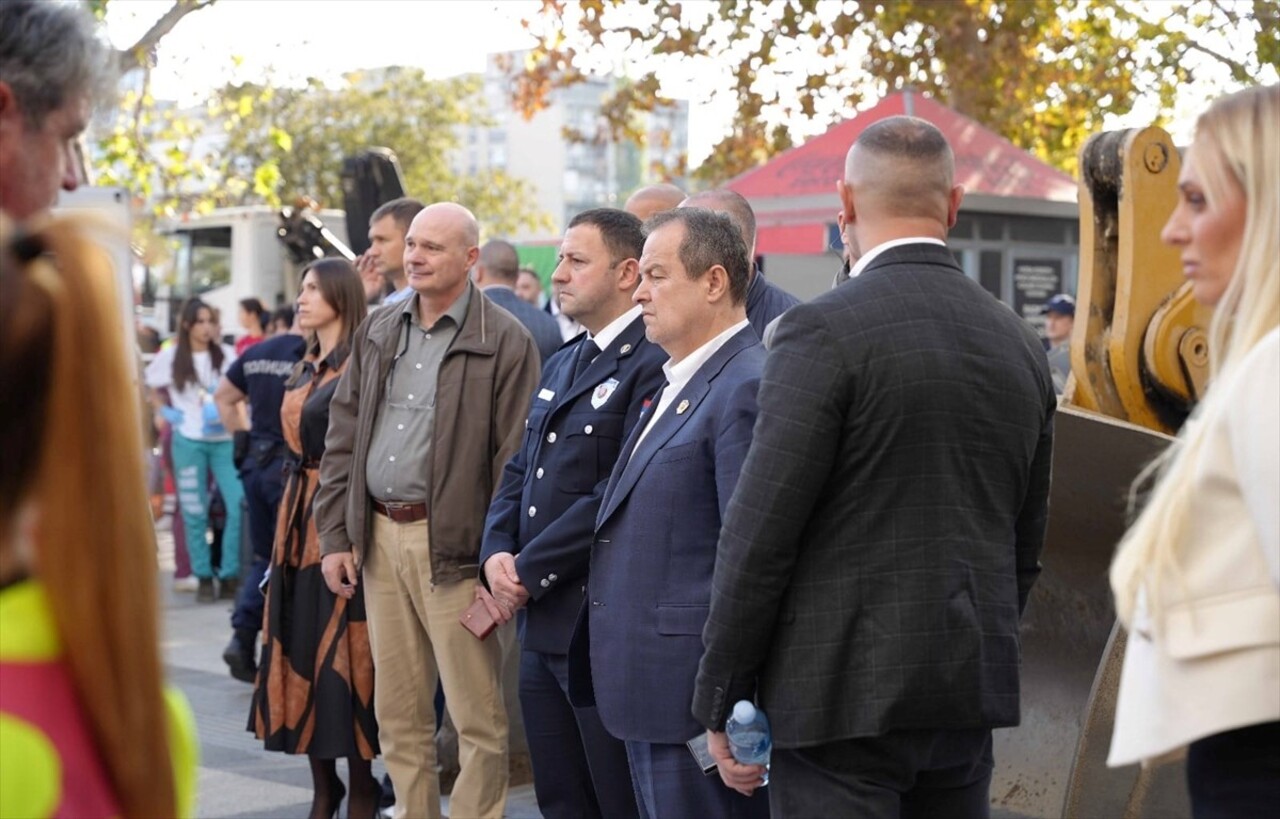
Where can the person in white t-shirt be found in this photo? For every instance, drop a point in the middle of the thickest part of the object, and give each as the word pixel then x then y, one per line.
pixel 189 370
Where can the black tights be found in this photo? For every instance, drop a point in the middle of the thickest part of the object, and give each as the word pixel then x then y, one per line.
pixel 329 791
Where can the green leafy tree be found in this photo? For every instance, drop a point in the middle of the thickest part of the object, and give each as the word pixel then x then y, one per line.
pixel 1041 73
pixel 148 148
pixel 303 134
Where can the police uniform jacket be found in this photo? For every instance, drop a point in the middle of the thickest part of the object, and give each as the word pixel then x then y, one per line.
pixel 545 509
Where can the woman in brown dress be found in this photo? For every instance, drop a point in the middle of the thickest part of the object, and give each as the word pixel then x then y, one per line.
pixel 314 693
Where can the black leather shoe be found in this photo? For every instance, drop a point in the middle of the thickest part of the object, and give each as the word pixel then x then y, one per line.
pixel 205 593
pixel 227 589
pixel 238 655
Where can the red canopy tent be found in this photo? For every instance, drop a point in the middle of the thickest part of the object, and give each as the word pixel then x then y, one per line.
pixel 794 194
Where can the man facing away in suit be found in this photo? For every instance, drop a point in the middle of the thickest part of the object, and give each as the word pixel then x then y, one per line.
pixel 538 535
pixel 880 547
pixel 650 577
pixel 495 272
pixel 766 302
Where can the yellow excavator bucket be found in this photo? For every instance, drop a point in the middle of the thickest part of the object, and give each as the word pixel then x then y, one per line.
pixel 1139 361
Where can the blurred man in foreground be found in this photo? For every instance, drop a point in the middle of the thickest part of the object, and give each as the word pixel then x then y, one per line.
pixel 53 72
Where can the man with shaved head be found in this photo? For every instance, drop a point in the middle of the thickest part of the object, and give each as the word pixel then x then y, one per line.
pixel 653 199
pixel 429 409
pixel 885 533
pixel 765 301
pixel 496 273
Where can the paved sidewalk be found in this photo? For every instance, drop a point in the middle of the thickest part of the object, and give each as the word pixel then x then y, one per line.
pixel 237 778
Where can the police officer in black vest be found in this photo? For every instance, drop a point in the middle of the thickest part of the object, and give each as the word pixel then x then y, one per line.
pixel 257 377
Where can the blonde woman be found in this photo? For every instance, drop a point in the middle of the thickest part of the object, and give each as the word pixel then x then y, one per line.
pixel 1197 577
pixel 86 727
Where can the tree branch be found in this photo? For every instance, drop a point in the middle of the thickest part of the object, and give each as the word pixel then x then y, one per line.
pixel 1237 68
pixel 129 59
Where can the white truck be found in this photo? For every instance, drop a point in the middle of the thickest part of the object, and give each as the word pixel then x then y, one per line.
pixel 223 257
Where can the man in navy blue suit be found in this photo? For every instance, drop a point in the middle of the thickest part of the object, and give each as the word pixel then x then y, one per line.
pixel 649 585
pixel 539 530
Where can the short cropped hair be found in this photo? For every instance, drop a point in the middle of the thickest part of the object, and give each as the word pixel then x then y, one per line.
pixel 402 210
pixel 623 233
pixel 732 203
pixel 50 55
pixel 904 137
pixel 501 260
pixel 710 239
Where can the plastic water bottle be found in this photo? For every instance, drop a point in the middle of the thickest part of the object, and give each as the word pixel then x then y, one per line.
pixel 750 741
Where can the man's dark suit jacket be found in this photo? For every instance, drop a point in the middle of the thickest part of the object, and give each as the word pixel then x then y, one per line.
pixel 650 579
pixel 765 302
pixel 886 531
pixel 539 323
pixel 572 438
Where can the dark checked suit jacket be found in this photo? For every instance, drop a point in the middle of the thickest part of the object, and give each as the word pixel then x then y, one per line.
pixel 885 533
pixel 650 579
pixel 572 438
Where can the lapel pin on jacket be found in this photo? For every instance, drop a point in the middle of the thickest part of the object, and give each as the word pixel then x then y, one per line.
pixel 684 405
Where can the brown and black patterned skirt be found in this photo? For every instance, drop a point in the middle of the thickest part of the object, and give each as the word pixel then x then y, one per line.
pixel 314 693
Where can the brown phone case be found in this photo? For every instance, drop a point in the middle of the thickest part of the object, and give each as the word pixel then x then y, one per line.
pixel 477 620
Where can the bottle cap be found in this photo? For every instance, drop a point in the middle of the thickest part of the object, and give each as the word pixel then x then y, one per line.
pixel 744 712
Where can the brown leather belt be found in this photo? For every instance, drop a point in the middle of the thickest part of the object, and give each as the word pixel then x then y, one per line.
pixel 401 512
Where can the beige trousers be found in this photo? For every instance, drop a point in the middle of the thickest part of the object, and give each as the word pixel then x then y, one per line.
pixel 414 634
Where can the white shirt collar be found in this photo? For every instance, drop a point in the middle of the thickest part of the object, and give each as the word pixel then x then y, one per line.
pixel 870 255
pixel 679 374
pixel 614 328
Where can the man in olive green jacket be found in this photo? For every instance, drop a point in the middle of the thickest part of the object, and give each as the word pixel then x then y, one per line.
pixel 430 408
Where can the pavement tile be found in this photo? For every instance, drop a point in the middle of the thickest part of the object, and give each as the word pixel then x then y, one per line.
pixel 238 779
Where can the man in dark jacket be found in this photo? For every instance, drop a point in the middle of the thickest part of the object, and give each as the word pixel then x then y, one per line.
pixel 256 378
pixel 496 272
pixel 430 408
pixel 765 300
pixel 885 533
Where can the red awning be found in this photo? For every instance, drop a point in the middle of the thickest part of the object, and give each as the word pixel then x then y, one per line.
pixel 783 191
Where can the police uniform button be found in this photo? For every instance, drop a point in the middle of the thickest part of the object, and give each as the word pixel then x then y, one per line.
pixel 552 577
pixel 587 429
pixel 545 583
pixel 539 472
pixel 533 510
pixel 551 437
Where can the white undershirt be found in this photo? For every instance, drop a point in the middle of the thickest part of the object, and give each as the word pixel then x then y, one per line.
pixel 871 254
pixel 613 329
pixel 192 398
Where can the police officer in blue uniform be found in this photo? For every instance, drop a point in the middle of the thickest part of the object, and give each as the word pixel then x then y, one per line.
pixel 538 535
pixel 257 377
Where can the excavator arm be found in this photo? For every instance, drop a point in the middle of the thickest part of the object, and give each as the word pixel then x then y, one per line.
pixel 1139 361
